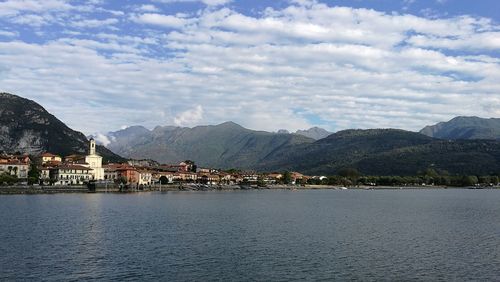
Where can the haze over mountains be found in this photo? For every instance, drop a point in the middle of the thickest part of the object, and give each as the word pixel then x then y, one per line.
pixel 465 145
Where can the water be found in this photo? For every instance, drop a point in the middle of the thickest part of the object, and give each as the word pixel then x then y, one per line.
pixel 252 235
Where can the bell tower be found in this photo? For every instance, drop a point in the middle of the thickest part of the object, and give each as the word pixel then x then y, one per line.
pixel 92 147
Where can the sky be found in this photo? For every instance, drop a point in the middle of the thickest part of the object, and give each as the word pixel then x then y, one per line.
pixel 103 65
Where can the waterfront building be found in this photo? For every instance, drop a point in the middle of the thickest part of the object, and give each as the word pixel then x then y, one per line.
pixel 94 162
pixel 128 173
pixel 44 176
pixel 145 178
pixel 69 174
pixel 15 167
pixel 111 172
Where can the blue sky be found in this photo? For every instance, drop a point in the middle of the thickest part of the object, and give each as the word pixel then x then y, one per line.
pixel 101 65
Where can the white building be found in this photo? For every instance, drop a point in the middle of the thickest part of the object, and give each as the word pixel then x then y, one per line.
pixel 94 162
pixel 70 175
pixel 145 178
pixel 14 167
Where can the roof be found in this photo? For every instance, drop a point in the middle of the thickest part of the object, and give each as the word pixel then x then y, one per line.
pixel 13 162
pixel 49 155
pixel 69 166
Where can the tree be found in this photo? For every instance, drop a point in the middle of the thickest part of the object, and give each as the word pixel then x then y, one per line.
pixel 470 180
pixel 287 177
pixel 7 179
pixel 33 174
pixel 163 180
pixel 494 180
pixel 350 173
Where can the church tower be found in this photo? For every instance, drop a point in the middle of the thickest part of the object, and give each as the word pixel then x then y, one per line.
pixel 92 147
pixel 94 161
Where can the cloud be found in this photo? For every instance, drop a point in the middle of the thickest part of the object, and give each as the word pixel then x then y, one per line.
pixel 7 33
pixel 101 139
pixel 14 7
pixel 206 2
pixel 190 117
pixel 160 20
pixel 148 8
pixel 273 69
pixel 93 23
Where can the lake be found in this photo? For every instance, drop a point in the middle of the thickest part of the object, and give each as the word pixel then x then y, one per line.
pixel 263 235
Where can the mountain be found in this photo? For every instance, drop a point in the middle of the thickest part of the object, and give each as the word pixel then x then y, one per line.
pixel 315 133
pixel 386 152
pixel 372 151
pixel 465 128
pixel 227 145
pixel 27 127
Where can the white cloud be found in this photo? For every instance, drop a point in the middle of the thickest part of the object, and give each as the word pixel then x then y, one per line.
pixel 306 64
pixel 93 23
pixel 206 2
pixel 148 8
pixel 101 139
pixel 190 117
pixel 14 7
pixel 160 20
pixel 7 33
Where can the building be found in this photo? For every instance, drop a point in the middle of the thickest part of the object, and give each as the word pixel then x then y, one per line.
pixel 15 165
pixel 145 178
pixel 50 158
pixel 68 174
pixel 44 176
pixel 128 174
pixel 111 172
pixel 94 162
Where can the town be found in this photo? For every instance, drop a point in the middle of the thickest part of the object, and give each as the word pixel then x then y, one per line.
pixel 134 175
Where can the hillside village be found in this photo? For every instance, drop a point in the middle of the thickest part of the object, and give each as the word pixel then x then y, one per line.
pixel 74 169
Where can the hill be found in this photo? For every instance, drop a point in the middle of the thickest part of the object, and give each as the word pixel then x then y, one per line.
pixel 27 127
pixel 387 152
pixel 227 145
pixel 465 128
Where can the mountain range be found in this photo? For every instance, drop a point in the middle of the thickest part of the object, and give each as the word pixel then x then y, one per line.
pixel 464 145
pixel 373 151
pixel 225 145
pixel 26 127
pixel 465 128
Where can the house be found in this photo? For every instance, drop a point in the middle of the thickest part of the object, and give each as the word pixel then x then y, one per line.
pixel 145 178
pixel 128 173
pixel 69 174
pixel 210 179
pixel 158 176
pixel 111 172
pixel 50 158
pixel 17 165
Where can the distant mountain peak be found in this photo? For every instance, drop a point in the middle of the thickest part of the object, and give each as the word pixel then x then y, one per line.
pixel 315 133
pixel 465 127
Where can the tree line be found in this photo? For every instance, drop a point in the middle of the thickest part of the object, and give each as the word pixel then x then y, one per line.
pixel 352 177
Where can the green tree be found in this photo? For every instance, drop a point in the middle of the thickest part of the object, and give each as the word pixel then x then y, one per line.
pixel 494 180
pixel 287 177
pixel 469 180
pixel 33 174
pixel 7 179
pixel 163 180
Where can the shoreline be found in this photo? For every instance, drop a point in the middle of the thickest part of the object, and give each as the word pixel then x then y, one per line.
pixel 34 190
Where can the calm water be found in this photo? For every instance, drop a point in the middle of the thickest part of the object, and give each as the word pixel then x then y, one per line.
pixel 253 235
